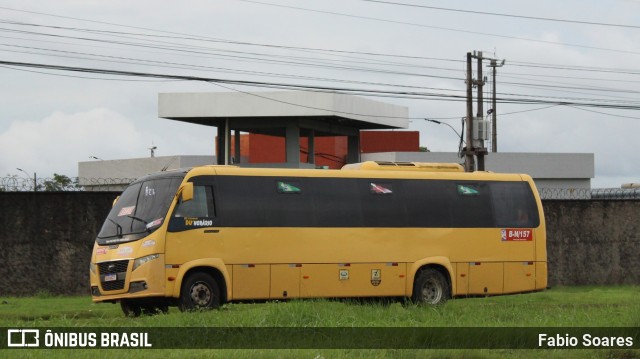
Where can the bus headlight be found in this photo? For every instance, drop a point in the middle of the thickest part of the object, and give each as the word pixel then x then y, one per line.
pixel 93 268
pixel 142 260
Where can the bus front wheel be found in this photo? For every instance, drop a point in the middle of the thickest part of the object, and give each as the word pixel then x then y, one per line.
pixel 431 287
pixel 199 291
pixel 130 308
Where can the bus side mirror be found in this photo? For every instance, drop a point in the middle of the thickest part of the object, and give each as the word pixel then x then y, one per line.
pixel 115 201
pixel 186 192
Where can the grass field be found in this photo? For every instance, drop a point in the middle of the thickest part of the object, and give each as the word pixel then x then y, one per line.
pixel 558 307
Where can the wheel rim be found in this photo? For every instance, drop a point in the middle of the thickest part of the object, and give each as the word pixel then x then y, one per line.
pixel 431 292
pixel 200 294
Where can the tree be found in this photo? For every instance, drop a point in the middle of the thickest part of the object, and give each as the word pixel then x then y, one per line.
pixel 59 183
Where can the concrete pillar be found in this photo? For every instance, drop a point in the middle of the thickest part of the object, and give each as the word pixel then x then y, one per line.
pixel 220 146
pixel 353 149
pixel 292 140
pixel 236 137
pixel 311 158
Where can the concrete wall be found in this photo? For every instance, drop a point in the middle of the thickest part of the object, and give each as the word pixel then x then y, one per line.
pixel 46 241
pixel 593 242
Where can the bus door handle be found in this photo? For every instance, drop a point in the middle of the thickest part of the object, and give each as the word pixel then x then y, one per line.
pixel 212 231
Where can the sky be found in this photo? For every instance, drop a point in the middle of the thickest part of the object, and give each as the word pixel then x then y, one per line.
pixel 569 83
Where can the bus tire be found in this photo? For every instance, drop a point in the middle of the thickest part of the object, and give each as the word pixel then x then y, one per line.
pixel 430 287
pixel 199 291
pixel 130 309
pixel 155 309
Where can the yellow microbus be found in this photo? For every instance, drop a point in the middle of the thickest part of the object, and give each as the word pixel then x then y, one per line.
pixel 199 237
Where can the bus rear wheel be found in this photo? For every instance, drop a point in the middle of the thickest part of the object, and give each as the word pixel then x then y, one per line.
pixel 199 291
pixel 431 287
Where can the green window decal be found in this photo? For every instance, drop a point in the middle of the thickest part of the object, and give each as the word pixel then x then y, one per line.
pixel 468 190
pixel 284 187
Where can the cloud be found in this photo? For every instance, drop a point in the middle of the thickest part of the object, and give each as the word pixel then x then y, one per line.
pixel 58 142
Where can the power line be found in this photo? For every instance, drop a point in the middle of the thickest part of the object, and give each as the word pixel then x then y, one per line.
pixel 476 12
pixel 226 41
pixel 181 65
pixel 603 113
pixel 365 92
pixel 82 77
pixel 129 60
pixel 440 27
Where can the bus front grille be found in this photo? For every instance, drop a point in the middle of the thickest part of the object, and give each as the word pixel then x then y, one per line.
pixel 110 270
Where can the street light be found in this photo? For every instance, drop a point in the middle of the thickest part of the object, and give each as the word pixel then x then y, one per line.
pixel 444 123
pixel 35 179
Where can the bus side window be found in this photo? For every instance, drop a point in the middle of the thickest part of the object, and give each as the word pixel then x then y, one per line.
pixel 514 205
pixel 200 206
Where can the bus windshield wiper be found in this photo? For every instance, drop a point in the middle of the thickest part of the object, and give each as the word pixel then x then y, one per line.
pixel 146 224
pixel 138 219
pixel 119 227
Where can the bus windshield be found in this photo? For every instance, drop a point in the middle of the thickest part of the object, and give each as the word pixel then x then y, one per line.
pixel 140 210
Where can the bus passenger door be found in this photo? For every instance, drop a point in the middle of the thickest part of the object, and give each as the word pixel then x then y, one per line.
pixel 192 232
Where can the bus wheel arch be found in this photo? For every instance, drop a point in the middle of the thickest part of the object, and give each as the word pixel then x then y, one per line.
pixel 202 288
pixel 432 285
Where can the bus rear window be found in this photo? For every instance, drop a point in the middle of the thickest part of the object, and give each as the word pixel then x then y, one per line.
pixel 514 205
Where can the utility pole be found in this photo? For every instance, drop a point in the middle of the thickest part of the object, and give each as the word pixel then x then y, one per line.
pixel 480 151
pixel 494 129
pixel 469 164
pixel 494 113
pixel 477 127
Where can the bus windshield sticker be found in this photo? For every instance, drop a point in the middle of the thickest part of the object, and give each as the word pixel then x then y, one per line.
pixel 149 191
pixel 380 189
pixel 284 187
pixel 126 211
pixel 125 250
pixel 154 223
pixel 468 190
pixel 149 243
pixel 517 234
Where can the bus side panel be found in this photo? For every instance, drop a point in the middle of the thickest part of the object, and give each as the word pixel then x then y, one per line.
pixel 354 280
pixel 251 281
pixel 519 276
pixel 285 281
pixel 462 279
pixel 486 278
pixel 541 275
